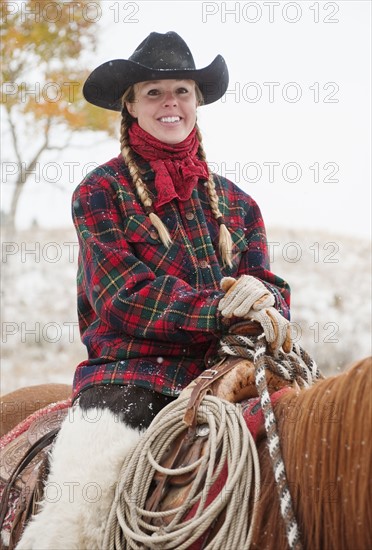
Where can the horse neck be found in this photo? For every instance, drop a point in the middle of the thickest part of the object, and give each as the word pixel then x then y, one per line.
pixel 327 453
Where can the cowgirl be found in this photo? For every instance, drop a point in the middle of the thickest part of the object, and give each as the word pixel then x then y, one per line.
pixel 171 256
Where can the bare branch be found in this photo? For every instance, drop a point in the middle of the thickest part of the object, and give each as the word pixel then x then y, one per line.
pixel 24 173
pixel 33 162
pixel 66 143
pixel 14 135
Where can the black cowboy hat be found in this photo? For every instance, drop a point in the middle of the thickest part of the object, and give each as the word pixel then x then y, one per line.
pixel 159 56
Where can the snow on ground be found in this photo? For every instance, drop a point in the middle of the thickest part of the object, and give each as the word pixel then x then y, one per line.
pixel 331 294
pixel 331 301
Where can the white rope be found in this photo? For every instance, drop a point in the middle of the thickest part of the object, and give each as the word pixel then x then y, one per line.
pixel 294 366
pixel 130 526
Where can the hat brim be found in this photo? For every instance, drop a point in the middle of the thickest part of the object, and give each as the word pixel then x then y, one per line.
pixel 106 85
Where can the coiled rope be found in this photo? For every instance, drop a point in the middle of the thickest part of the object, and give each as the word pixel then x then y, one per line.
pixel 131 526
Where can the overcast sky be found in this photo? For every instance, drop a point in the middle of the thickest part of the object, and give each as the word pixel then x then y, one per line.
pixel 294 128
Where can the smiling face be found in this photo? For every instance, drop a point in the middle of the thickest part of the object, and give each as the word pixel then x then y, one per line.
pixel 166 109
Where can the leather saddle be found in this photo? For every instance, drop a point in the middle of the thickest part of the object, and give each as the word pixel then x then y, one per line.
pixel 23 470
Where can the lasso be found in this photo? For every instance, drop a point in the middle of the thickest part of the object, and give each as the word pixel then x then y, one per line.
pixel 229 443
pixel 131 526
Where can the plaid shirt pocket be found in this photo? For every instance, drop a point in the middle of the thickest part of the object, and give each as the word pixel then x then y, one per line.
pixel 177 260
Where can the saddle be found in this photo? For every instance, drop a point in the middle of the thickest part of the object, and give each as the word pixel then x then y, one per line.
pixel 24 469
pixel 24 460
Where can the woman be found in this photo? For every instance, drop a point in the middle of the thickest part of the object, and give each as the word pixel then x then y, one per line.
pixel 170 257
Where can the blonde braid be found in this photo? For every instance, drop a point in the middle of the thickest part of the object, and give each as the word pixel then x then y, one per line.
pixel 225 241
pixel 141 188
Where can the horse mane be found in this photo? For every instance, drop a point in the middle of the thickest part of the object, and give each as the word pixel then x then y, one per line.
pixel 326 446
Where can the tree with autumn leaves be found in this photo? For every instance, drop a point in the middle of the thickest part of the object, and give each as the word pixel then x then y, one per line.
pixel 41 96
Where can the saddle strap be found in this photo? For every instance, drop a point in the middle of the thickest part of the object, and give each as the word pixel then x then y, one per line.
pixel 183 441
pixel 195 391
pixel 201 385
pixel 30 454
pixel 31 494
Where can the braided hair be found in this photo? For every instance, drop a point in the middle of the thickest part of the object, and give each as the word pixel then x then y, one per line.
pixel 225 240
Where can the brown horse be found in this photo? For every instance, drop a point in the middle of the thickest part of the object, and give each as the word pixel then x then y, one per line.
pixel 326 446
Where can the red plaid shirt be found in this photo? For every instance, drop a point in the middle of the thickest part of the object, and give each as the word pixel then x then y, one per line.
pixel 147 314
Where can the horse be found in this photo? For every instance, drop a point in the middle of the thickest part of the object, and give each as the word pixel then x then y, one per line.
pixel 326 447
pixel 324 437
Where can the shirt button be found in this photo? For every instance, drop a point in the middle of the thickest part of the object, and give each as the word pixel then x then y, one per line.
pixel 154 234
pixel 203 264
pixel 189 216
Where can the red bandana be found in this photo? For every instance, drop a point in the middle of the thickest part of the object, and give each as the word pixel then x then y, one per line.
pixel 177 168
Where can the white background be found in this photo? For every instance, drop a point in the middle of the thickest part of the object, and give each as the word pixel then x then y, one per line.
pixel 317 52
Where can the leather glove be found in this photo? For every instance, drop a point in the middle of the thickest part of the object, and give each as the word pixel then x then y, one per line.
pixel 243 294
pixel 277 328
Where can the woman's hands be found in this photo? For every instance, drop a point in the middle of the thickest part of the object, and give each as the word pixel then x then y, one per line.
pixel 248 298
pixel 243 294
